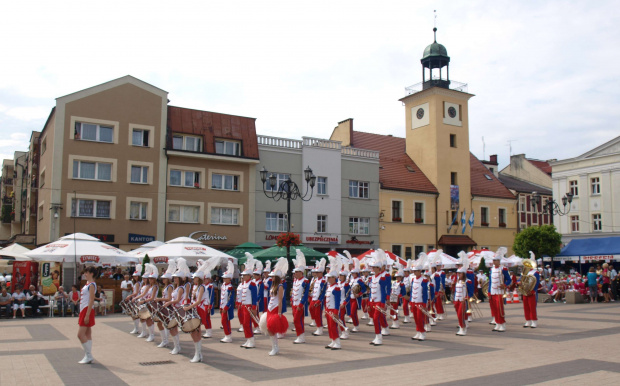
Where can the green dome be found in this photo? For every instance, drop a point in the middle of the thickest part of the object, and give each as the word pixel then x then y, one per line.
pixel 435 49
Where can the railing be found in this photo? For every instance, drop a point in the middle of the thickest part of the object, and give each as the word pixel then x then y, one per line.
pixel 279 142
pixel 324 143
pixel 454 85
pixel 7 181
pixel 360 152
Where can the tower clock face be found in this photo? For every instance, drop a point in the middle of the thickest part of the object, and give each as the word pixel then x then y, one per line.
pixel 452 112
pixel 420 113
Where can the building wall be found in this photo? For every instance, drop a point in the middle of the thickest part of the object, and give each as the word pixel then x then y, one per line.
pixel 522 169
pixel 493 236
pixel 46 223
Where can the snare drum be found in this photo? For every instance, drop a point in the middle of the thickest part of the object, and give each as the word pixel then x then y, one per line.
pixel 168 317
pixel 131 308
pixel 188 320
pixel 143 312
pixel 154 309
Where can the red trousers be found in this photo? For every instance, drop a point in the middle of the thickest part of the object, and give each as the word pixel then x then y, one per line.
pixel 406 307
pixel 529 307
pixel 332 326
pixel 497 308
pixel 239 313
pixel 365 305
pixel 460 308
pixel 316 313
pixel 377 316
pixel 225 321
pixel 298 319
pixel 356 321
pixel 419 317
pixel 341 315
pixel 247 322
pixel 394 310
pixel 438 304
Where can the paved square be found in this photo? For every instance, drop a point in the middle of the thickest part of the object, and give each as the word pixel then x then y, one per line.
pixel 574 344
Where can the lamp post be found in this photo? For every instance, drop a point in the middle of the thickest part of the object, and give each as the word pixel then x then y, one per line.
pixel 287 190
pixel 551 206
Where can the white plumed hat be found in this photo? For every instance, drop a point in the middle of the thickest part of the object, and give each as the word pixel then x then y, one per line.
pixel 281 268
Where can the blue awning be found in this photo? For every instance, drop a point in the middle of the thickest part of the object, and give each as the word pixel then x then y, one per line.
pixel 599 248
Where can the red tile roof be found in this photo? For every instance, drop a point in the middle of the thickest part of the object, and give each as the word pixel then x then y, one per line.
pixel 395 163
pixel 542 165
pixel 211 126
pixel 484 183
pixel 456 240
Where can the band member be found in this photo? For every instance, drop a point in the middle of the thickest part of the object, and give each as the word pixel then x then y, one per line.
pixel 227 302
pixel 356 298
pixel 439 280
pixel 405 299
pixel 208 301
pixel 238 305
pixel 499 279
pixel 166 296
pixel 276 323
pixel 318 295
pixel 398 293
pixel 257 275
pixel 366 279
pixel 461 300
pixel 428 322
pixel 149 296
pixel 333 296
pixel 299 297
pixel 176 301
pixel 267 280
pixel 418 300
pixel 248 300
pixel 198 302
pixel 145 287
pixel 530 300
pixel 380 287
pixel 345 299
pixel 87 316
pixel 136 292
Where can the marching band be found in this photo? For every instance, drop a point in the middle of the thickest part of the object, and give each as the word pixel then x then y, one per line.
pixel 419 289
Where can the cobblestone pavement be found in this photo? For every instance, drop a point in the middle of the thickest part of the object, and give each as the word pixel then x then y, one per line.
pixel 574 344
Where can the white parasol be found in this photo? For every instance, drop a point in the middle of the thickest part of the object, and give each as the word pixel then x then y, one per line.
pixel 446 261
pixel 84 249
pixel 16 251
pixel 187 248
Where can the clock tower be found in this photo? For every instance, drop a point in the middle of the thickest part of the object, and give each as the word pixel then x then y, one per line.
pixel 437 134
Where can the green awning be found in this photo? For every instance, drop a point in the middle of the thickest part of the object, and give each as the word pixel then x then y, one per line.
pixel 276 252
pixel 240 250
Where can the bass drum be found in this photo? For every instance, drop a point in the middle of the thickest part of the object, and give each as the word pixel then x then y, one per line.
pixel 168 317
pixel 154 309
pixel 143 312
pixel 188 320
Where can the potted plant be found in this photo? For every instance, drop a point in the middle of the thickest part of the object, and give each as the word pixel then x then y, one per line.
pixel 502 225
pixel 287 239
pixel 484 224
pixel 418 220
pixel 397 219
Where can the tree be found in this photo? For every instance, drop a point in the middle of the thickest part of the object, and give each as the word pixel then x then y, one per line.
pixel 542 240
pixel 483 266
pixel 144 262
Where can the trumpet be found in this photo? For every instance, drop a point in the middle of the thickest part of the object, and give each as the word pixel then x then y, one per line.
pixel 254 317
pixel 425 312
pixel 337 320
pixel 386 311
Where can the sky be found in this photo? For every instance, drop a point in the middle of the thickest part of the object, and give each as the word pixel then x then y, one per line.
pixel 544 74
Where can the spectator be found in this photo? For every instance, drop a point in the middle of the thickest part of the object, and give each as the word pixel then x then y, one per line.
pixel 99 304
pixel 615 286
pixel 6 302
pixel 33 299
pixel 118 275
pixel 62 301
pixel 126 287
pixel 592 285
pixel 481 279
pixel 19 301
pixel 606 281
pixel 74 300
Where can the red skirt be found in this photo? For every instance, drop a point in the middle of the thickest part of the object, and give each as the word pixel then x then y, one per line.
pixel 276 324
pixel 91 318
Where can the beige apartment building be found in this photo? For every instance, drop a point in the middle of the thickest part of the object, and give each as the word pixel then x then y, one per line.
pixel 118 163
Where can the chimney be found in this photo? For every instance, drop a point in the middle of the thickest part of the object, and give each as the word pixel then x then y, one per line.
pixel 493 159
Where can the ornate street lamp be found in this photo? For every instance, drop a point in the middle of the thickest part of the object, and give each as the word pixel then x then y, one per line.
pixel 551 206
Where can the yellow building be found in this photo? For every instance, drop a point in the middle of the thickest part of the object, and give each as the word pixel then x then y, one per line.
pixel 431 172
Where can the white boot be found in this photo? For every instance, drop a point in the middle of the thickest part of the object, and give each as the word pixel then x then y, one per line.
pixel 240 329
pixel 370 323
pixel 344 335
pixel 354 329
pixel 135 326
pixel 385 331
pixel 164 339
pixel 177 345
pixel 207 334
pixel 250 343
pixel 493 321
pixel 422 336
pixel 274 346
pixel 336 345
pixel 416 336
pixel 279 336
pixel 143 333
pixel 464 332
pixel 466 324
pixel 226 339
pixel 427 327
pixel 502 327
pixel 469 319
pixel 440 317
pixel 365 316
pixel 534 324
pixel 407 319
pixel 432 322
pixel 349 320
pixel 395 325
pixel 330 344
pixel 318 332
pixel 528 323
pixel 151 336
pixel 460 332
pixel 300 339
pixel 88 358
pixel 197 353
pixel 496 328
pixel 378 340
pixel 312 324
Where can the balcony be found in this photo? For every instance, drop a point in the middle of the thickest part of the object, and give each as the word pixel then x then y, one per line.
pixel 436 81
pixel 7 181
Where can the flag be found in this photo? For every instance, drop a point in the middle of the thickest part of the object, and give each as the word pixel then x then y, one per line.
pixel 456 216
pixel 471 219
pixel 464 221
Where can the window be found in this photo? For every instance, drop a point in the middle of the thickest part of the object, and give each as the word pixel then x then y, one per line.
pixel 92 132
pixel 359 225
pixel 92 171
pixel 535 218
pixel 321 223
pixel 397 249
pixel 227 147
pixel 91 208
pixel 453 178
pixel 186 142
pixel 502 217
pixel 43 145
pixel 417 249
pixel 573 188
pixel 225 216
pixel 139 174
pixel 183 213
pixel 597 222
pixel 275 222
pixel 137 210
pixel 321 185
pixel 595 183
pixel 407 253
pixel 419 212
pixel 186 179
pixel 396 216
pixel 42 179
pixel 452 140
pixel 225 182
pixel 358 189
pixel 140 137
pixel 40 214
pixel 574 223
pixel 522 204
pixel 484 216
pixel 280 178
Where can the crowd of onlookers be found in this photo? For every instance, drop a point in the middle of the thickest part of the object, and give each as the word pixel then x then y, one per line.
pixel 600 284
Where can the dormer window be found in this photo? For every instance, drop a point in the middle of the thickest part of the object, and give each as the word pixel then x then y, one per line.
pixel 186 142
pixel 227 147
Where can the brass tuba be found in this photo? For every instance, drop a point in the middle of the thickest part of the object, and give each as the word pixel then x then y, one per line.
pixel 528 282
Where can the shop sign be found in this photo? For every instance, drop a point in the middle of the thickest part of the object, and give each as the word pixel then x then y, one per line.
pixel 271 237
pixel 315 239
pixel 205 236
pixel 355 241
pixel 141 239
